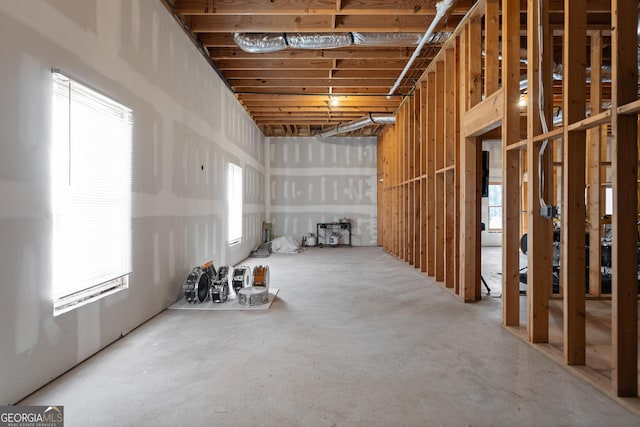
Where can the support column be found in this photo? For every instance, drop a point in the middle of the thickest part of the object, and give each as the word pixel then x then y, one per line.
pixel 594 136
pixel 572 219
pixel 511 162
pixel 624 151
pixel 539 236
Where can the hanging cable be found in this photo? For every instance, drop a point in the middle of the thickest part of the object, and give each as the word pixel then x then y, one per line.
pixel 547 211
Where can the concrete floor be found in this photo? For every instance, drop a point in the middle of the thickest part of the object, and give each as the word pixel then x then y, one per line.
pixel 355 337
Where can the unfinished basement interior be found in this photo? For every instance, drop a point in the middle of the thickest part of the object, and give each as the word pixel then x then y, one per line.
pixel 319 212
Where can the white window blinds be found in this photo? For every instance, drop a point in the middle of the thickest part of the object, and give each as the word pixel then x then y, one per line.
pixel 91 192
pixel 234 196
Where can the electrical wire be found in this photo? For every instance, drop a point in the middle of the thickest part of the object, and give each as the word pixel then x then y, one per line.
pixel 541 108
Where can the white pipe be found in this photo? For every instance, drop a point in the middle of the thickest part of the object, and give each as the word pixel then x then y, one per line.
pixel 441 9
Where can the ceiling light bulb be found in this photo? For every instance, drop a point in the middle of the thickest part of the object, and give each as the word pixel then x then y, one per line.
pixel 523 102
pixel 334 101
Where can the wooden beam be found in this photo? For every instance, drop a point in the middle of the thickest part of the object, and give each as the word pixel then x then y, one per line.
pixel 474 61
pixel 431 173
pixel 422 8
pixel 485 116
pixel 539 233
pixel 417 207
pixel 624 171
pixel 492 47
pixel 449 160
pixel 402 199
pixel 511 162
pixel 593 121
pixel 632 108
pixel 314 23
pixel 439 163
pixel 594 149
pixel 293 54
pixel 458 174
pixel 470 152
pixel 572 250
pixel 423 182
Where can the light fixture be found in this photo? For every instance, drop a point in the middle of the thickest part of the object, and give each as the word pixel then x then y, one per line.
pixel 335 101
pixel 523 100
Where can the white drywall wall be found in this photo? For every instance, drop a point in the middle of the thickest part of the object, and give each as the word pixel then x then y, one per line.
pixel 187 127
pixel 315 180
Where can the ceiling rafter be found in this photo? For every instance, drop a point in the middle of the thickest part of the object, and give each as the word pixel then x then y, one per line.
pixel 290 91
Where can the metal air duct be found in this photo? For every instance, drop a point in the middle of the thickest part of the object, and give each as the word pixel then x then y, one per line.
pixel 273 42
pixel 357 124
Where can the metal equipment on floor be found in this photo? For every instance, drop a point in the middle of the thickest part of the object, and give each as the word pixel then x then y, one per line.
pixel 220 285
pixel 241 278
pixel 197 284
pixel 253 295
pixel 261 276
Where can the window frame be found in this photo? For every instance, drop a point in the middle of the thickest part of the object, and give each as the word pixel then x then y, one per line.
pixel 235 202
pixel 494 206
pixel 84 118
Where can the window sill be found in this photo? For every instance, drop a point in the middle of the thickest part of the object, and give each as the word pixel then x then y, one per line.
pixel 81 298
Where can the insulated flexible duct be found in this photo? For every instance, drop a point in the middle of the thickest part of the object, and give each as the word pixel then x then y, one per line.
pixel 358 124
pixel 273 42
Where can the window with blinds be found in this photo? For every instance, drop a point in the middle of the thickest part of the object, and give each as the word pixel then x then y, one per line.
pixel 91 194
pixel 234 196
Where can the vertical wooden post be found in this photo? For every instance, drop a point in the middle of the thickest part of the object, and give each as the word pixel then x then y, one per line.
pixel 467 170
pixel 406 249
pixel 624 153
pixel 449 153
pixel 431 173
pixel 572 220
pixel 409 214
pixel 423 179
pixel 539 245
pixel 417 207
pixel 593 159
pixel 402 199
pixel 439 151
pixel 470 190
pixel 491 29
pixel 511 162
pixel 457 169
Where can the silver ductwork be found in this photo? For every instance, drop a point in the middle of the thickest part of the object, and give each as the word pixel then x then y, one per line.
pixel 358 124
pixel 318 40
pixel 273 42
pixel 260 43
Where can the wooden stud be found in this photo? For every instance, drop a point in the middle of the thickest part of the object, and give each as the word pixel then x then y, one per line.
pixel 470 191
pixel 431 173
pixel 492 47
pixel 415 125
pixel 402 200
pixel 510 160
pixel 439 162
pixel 572 250
pixel 457 178
pixel 409 185
pixel 539 245
pixel 449 160
pixel 593 158
pixel 624 160
pixel 423 181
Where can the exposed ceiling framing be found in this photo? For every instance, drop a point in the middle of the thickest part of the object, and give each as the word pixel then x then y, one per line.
pixel 300 92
